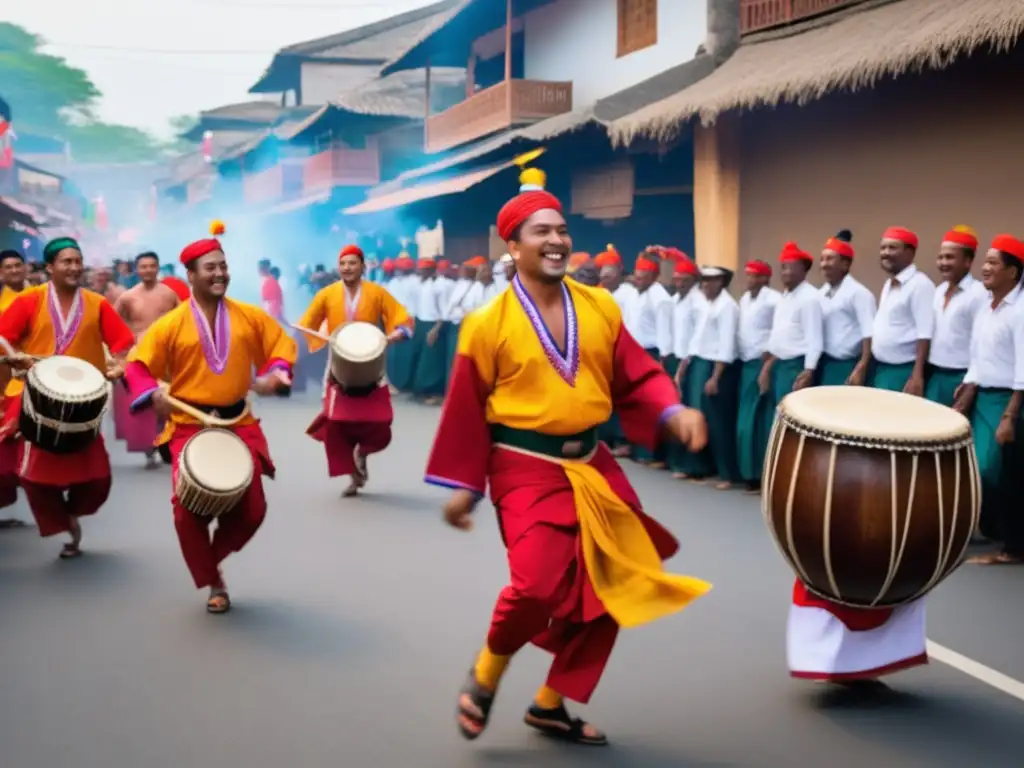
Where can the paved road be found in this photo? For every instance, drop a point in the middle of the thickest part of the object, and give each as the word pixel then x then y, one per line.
pixel 356 620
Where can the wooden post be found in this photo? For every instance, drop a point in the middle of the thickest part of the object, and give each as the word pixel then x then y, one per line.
pixel 508 60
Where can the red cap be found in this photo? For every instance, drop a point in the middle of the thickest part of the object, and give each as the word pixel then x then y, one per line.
pixel 963 236
pixel 443 264
pixel 685 267
pixel 608 257
pixel 404 262
pixel 523 206
pixel 841 247
pixel 198 249
pixel 791 252
pixel 425 263
pixel 643 264
pixel 1009 244
pixel 387 265
pixel 758 267
pixel 902 234
pixel 352 250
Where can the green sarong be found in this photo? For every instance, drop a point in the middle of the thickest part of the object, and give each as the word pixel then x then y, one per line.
pixel 833 372
pixel 406 355
pixel 784 373
pixel 451 335
pixel 431 371
pixel 753 422
pixel 679 458
pixel 942 383
pixel 639 452
pixel 989 406
pixel 891 377
pixel 720 412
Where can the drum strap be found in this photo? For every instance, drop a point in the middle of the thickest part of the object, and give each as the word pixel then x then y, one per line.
pixel 232 411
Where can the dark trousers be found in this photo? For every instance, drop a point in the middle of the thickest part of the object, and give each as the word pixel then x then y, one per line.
pixel 1008 509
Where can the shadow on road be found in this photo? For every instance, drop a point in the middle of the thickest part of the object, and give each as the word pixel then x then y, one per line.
pixel 292 629
pixel 616 755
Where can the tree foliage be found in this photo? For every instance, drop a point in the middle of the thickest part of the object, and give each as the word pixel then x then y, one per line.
pixel 51 97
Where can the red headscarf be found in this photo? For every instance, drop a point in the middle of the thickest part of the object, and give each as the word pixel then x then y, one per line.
pixel 352 250
pixel 902 234
pixel 758 267
pixel 523 206
pixel 1009 244
pixel 198 249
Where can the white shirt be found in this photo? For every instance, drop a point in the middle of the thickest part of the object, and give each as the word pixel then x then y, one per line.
pixel 684 320
pixel 479 294
pixel 757 314
pixel 455 308
pixel 653 319
pixel 951 340
pixel 714 335
pixel 626 296
pixel 429 294
pixel 848 312
pixel 997 344
pixel 797 329
pixel 445 285
pixel 905 316
pixel 399 288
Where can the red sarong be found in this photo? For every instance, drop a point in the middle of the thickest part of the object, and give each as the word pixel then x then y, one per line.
pixel 203 554
pixel 550 600
pixel 346 422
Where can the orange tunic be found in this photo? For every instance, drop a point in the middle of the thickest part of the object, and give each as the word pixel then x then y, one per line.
pixel 208 367
pixel 372 304
pixel 34 324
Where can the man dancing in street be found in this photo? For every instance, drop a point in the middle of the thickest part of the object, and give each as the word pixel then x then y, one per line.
pixel 141 306
pixel 59 318
pixel 208 347
pixel 354 422
pixel 538 369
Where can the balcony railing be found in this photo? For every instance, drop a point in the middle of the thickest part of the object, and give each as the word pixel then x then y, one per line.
pixel 489 111
pixel 758 15
pixel 341 167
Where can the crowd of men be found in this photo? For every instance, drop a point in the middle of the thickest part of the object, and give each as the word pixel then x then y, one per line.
pixel 960 343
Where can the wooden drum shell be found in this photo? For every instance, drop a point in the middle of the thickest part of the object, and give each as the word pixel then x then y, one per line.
pixel 869 527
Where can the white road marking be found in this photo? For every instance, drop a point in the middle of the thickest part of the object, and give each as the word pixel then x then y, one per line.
pixel 977 670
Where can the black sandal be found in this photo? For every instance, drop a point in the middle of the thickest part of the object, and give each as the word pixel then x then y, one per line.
pixel 482 699
pixel 558 724
pixel 70 551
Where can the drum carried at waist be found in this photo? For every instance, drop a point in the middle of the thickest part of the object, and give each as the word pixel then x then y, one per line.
pixel 215 469
pixel 63 403
pixel 358 357
pixel 871 495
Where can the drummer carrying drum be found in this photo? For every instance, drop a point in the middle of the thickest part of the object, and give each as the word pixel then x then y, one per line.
pixel 209 346
pixel 357 413
pixel 63 464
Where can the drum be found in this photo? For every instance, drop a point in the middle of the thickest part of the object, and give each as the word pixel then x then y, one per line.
pixel 63 403
pixel 872 496
pixel 215 470
pixel 357 356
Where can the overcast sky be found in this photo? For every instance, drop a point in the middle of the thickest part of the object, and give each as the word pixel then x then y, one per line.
pixel 154 59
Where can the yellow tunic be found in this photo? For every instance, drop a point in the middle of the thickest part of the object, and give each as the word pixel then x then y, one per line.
pixel 174 344
pixel 534 386
pixel 329 309
pixel 7 295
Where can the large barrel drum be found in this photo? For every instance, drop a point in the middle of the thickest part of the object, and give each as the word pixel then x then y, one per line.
pixel 871 495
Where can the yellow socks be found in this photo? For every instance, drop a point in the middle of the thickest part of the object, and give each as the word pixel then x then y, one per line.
pixel 548 698
pixel 489 668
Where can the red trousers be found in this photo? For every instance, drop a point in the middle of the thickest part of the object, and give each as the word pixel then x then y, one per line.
pixel 347 422
pixel 9 451
pixel 204 553
pixel 549 600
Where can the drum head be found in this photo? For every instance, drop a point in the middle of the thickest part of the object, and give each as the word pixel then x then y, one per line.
pixel 218 460
pixel 874 414
pixel 359 342
pixel 68 377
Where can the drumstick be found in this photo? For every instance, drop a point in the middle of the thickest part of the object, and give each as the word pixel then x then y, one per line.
pixel 203 418
pixel 311 332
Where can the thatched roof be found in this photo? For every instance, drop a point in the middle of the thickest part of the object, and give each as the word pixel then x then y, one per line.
pixel 850 49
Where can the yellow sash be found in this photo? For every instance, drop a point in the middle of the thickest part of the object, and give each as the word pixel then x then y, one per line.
pixel 624 567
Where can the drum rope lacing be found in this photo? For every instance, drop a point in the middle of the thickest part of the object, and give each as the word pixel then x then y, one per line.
pixel 56 424
pixel 909 445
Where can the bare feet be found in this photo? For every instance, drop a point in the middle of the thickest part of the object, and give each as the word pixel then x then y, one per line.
pixel 996 558
pixel 724 485
pixel 74 547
